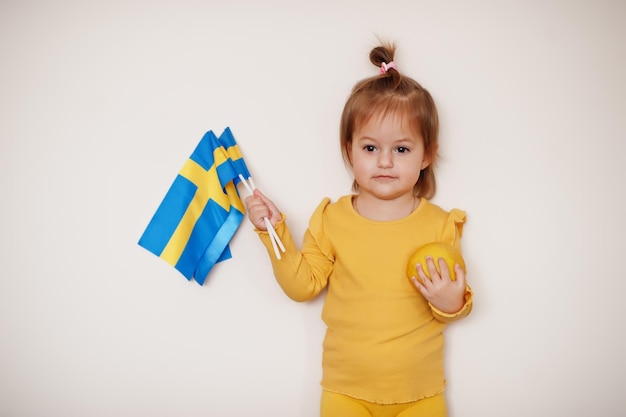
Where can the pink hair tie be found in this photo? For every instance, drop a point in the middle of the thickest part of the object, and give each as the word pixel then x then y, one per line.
pixel 386 67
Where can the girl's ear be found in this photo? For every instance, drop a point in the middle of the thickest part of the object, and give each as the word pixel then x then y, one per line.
pixel 429 157
pixel 349 153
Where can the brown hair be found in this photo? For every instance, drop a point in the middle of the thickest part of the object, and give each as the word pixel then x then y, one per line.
pixel 392 92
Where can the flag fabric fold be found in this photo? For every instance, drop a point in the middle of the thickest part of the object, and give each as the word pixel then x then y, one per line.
pixel 202 209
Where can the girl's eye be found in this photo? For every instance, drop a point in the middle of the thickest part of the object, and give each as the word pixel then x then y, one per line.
pixel 402 149
pixel 369 148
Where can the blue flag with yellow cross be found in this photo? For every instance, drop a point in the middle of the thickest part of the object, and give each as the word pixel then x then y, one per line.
pixel 202 209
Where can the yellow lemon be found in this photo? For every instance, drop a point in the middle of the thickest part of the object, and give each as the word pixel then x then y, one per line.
pixel 435 250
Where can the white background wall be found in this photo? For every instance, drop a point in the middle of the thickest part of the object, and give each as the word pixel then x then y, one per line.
pixel 102 102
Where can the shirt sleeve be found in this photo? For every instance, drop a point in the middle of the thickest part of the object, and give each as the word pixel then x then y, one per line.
pixel 302 275
pixel 453 228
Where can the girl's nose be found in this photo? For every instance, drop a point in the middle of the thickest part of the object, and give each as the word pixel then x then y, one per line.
pixel 385 159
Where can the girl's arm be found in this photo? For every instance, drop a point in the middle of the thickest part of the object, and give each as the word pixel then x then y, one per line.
pixel 301 274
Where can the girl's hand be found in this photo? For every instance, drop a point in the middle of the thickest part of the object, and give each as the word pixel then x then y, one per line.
pixel 446 295
pixel 258 206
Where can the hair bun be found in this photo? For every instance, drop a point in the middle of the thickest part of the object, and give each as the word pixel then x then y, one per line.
pixel 382 54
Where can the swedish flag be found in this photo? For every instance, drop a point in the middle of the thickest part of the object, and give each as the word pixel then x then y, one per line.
pixel 228 141
pixel 202 209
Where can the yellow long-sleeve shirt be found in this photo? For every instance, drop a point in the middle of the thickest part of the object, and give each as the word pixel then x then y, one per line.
pixel 384 341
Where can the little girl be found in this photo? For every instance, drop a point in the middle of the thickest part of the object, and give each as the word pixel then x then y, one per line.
pixel 383 349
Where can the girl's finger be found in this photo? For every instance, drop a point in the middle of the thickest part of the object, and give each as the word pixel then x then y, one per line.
pixel 460 275
pixel 421 273
pixel 420 287
pixel 434 273
pixel 444 271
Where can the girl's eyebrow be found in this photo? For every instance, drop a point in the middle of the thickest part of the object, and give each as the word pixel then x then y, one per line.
pixel 405 140
pixel 362 139
pixel 395 142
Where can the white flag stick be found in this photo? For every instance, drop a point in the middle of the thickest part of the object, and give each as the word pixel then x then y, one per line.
pixel 270 229
pixel 243 180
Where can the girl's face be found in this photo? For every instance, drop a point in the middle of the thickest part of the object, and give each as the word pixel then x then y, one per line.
pixel 387 157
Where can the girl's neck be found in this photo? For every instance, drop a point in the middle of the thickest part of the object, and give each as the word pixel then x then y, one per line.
pixel 377 209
